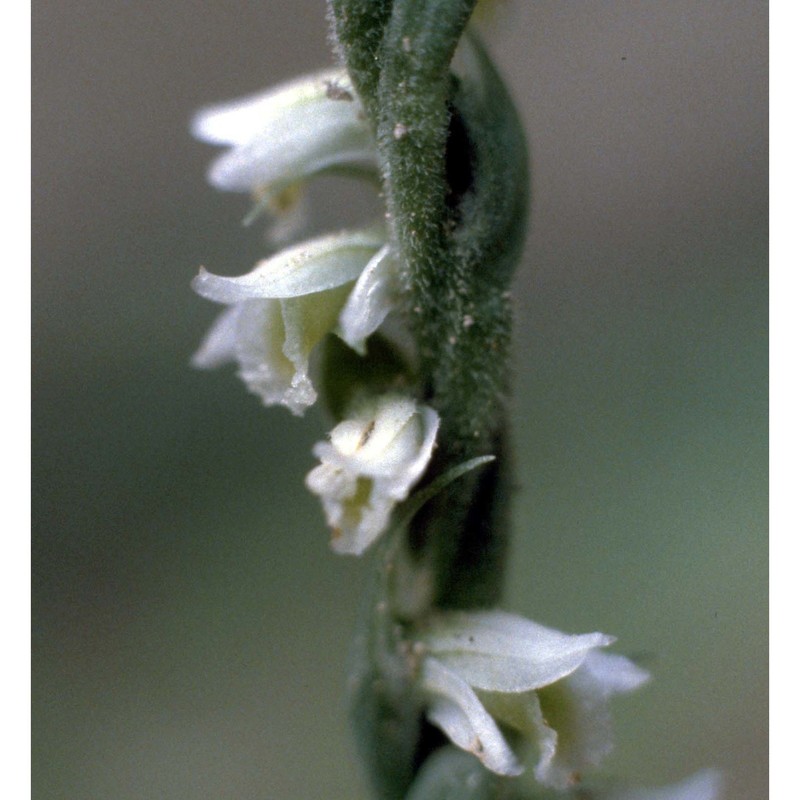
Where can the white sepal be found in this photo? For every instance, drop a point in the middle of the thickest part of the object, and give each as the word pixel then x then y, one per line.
pixel 288 133
pixel 313 266
pixel 239 121
pixel 219 344
pixel 502 652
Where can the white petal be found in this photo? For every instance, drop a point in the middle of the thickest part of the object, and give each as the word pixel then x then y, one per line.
pixel 219 345
pixel 523 713
pixel 320 139
pixel 369 521
pixel 370 428
pixel 330 482
pixel 374 296
pixel 610 673
pixel 252 333
pixel 415 463
pixel 456 709
pixel 582 736
pixel 577 709
pixel 704 785
pixel 390 439
pixel 263 366
pixel 313 266
pixel 288 134
pixel 355 512
pixel 502 652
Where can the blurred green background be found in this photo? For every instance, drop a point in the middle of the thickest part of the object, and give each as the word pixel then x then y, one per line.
pixel 191 627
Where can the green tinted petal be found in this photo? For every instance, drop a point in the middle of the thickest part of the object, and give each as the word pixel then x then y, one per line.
pixel 306 321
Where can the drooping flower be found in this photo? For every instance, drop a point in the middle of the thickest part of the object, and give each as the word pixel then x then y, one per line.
pixel 373 459
pixel 484 670
pixel 282 309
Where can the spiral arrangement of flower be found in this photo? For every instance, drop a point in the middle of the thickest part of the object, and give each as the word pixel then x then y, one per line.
pixel 416 465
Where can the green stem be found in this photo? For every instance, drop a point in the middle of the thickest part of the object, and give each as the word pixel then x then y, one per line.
pixel 453 162
pixel 415 95
pixel 358 27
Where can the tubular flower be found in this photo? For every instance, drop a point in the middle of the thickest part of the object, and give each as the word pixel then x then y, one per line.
pixel 282 309
pixel 489 669
pixel 373 459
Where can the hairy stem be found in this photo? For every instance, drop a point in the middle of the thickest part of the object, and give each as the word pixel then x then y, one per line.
pixel 453 161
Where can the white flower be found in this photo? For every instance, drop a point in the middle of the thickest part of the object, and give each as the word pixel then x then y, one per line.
pixel 288 134
pixel 282 309
pixel 485 669
pixel 371 462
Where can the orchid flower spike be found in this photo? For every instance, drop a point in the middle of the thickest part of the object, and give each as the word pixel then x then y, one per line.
pixel 282 309
pixel 373 459
pixel 485 669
